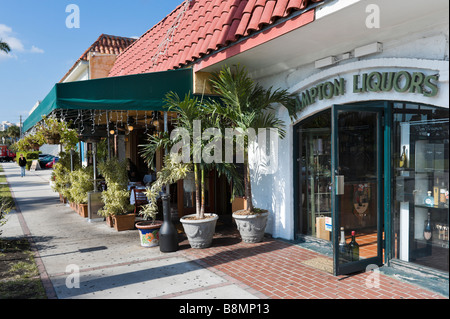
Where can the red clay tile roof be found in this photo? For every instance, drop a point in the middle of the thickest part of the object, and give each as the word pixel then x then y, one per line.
pixel 198 27
pixel 105 44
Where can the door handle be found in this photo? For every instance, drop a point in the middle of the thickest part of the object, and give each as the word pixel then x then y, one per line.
pixel 339 184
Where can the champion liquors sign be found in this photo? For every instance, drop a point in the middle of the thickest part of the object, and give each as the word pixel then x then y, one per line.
pixel 396 81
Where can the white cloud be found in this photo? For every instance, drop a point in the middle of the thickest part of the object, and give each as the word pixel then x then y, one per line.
pixel 7 35
pixel 36 49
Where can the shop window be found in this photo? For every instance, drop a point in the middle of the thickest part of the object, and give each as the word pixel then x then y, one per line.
pixel 420 185
pixel 314 175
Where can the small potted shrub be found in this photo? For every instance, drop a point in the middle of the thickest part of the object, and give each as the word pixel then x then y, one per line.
pixel 81 184
pixel 169 174
pixel 116 199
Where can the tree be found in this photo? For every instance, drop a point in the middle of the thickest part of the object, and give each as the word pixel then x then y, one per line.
pixel 189 109
pixel 4 47
pixel 246 105
pixel 13 132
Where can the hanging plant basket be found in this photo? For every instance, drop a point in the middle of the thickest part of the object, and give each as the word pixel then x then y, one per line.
pixel 52 139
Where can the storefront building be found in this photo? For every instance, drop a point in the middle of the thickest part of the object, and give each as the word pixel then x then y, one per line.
pixel 371 139
pixel 371 136
pixel 370 146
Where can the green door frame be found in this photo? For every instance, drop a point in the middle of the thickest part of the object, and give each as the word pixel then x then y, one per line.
pixel 384 168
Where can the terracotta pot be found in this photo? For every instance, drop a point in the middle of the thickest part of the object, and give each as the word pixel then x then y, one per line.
pixel 109 221
pixel 62 199
pixel 124 222
pixel 83 210
pixel 149 233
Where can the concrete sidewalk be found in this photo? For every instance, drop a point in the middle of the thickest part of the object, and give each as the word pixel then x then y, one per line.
pixel 111 264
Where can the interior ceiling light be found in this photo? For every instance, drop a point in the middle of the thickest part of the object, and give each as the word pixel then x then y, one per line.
pixel 155 118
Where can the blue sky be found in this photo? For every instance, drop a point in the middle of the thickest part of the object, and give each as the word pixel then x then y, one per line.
pixel 43 48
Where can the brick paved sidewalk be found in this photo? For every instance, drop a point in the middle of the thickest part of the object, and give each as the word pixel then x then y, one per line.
pixel 280 270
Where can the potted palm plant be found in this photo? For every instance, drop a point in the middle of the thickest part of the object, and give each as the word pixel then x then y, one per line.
pixel 116 198
pixel 247 105
pixel 199 227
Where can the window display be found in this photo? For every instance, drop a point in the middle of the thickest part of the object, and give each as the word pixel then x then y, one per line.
pixel 420 206
pixel 315 176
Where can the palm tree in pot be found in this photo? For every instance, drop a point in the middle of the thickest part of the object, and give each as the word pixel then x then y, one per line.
pixel 246 105
pixel 199 227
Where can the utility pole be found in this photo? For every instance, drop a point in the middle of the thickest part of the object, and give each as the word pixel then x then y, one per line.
pixel 20 127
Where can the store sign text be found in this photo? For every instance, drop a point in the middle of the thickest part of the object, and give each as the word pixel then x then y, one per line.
pixel 401 81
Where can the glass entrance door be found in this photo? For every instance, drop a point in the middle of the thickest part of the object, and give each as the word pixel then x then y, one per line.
pixel 357 201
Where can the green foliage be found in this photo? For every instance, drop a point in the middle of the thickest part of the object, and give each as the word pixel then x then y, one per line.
pixel 114 171
pixel 116 201
pixel 81 181
pixel 171 172
pixel 65 159
pixel 30 156
pixel 28 143
pixel 5 207
pixel 53 128
pixel 4 47
pixel 61 171
pixel 246 104
pixel 62 180
pixel 116 197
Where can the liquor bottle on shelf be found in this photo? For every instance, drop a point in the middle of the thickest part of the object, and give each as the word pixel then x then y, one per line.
pixel 403 159
pixel 343 248
pixel 427 231
pixel 429 200
pixel 354 248
pixel 436 193
pixel 443 196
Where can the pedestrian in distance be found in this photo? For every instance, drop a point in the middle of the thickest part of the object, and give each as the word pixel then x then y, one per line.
pixel 22 164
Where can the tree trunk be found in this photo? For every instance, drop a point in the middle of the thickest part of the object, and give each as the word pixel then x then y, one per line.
pixel 197 191
pixel 248 187
pixel 202 209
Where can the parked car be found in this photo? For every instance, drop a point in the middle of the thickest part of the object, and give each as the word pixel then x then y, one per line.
pixel 43 161
pixel 50 164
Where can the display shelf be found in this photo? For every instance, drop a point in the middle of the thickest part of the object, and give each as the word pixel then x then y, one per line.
pixel 432 208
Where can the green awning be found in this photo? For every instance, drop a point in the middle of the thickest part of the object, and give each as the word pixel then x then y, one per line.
pixel 131 92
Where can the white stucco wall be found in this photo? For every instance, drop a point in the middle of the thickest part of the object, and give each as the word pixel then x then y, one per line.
pixel 426 52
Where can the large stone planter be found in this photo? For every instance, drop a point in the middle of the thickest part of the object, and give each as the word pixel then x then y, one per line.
pixel 199 232
pixel 251 227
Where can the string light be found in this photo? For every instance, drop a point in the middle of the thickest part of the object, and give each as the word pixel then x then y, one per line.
pixel 82 123
pixel 146 126
pixel 93 121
